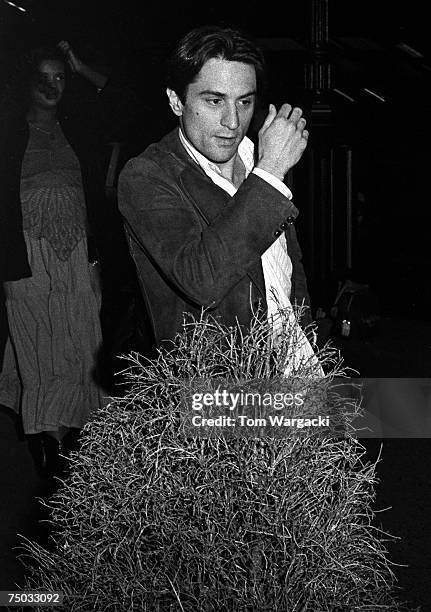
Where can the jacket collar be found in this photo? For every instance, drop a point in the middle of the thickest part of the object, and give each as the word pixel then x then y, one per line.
pixel 207 198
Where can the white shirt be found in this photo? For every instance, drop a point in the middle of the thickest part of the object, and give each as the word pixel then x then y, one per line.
pixel 276 263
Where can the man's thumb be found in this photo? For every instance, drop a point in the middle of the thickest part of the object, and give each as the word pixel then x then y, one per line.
pixel 269 118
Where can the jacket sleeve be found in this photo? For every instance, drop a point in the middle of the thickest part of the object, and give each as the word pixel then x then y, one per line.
pixel 299 293
pixel 202 260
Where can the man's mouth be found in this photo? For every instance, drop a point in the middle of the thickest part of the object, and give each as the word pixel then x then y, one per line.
pixel 227 140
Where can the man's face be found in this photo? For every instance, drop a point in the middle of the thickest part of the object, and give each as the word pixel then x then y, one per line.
pixel 49 84
pixel 218 108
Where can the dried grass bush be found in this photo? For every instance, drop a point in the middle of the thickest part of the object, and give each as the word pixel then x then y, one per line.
pixel 150 519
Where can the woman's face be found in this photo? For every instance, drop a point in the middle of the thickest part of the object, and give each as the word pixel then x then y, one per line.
pixel 48 84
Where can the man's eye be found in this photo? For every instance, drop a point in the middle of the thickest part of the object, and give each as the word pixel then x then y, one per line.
pixel 247 102
pixel 60 77
pixel 214 101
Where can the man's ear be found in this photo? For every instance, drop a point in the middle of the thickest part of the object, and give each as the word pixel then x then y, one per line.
pixel 174 102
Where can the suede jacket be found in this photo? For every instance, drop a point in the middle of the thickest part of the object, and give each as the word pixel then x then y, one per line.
pixel 196 247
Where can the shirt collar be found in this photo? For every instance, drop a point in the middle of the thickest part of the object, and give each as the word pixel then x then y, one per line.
pixel 245 151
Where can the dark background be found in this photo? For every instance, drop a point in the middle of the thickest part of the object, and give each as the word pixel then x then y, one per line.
pixel 378 46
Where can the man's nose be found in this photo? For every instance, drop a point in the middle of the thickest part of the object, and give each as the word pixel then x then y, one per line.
pixel 230 117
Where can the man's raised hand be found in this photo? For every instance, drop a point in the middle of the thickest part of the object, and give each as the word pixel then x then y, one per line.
pixel 282 140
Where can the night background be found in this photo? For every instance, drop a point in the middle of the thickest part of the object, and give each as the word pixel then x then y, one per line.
pixel 363 78
pixel 373 109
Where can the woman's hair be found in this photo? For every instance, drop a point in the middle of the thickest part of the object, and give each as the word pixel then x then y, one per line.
pixel 17 96
pixel 205 43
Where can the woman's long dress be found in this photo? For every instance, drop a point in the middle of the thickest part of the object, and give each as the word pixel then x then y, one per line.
pixel 50 367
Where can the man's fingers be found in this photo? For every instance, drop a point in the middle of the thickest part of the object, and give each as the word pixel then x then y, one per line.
pixel 295 115
pixel 284 111
pixel 301 123
pixel 269 118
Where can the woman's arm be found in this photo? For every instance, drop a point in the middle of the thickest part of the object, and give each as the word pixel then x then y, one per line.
pixel 96 78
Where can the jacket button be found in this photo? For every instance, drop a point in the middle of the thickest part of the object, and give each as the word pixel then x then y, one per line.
pixel 277 233
pixel 284 226
pixel 290 220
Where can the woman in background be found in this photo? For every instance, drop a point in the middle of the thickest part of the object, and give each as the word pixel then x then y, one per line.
pixel 52 202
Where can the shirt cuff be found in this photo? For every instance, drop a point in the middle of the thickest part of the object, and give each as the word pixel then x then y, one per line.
pixel 274 181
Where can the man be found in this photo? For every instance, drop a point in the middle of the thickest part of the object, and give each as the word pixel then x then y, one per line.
pixel 208 227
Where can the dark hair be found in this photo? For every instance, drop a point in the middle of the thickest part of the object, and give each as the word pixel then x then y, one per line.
pixel 18 90
pixel 205 43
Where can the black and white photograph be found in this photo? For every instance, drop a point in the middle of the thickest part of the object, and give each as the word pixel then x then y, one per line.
pixel 215 330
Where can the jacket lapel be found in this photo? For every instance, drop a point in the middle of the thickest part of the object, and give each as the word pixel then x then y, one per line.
pixel 207 198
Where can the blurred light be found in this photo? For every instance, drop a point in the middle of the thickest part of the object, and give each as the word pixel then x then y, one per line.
pixel 343 94
pixel 20 8
pixel 24 6
pixel 374 94
pixel 409 50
